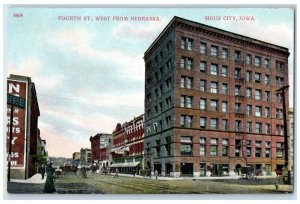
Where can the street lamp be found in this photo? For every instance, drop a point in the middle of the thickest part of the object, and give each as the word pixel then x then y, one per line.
pixel 286 158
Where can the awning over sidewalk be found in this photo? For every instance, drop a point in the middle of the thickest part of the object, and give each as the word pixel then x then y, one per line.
pixel 119 150
pixel 129 164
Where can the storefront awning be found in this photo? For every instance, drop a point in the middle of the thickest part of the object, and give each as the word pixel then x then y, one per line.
pixel 119 150
pixel 128 164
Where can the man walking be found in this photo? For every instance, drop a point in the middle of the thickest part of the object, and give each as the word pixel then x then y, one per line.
pixel 116 175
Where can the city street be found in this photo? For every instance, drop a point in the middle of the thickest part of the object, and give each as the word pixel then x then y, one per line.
pixel 98 183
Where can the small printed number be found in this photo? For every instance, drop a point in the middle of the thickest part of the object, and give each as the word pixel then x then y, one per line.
pixel 18 15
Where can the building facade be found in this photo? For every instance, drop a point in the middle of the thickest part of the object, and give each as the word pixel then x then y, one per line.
pixel 85 156
pixel 76 159
pixel 211 105
pixel 128 146
pixel 25 130
pixel 101 144
pixel 291 146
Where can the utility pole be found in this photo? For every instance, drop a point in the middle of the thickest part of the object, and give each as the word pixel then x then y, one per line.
pixel 286 155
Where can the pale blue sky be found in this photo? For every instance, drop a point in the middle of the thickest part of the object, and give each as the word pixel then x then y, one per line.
pixel 90 75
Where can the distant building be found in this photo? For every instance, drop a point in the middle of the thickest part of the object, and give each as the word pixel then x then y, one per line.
pixel 76 158
pixel 128 146
pixel 291 142
pixel 101 145
pixel 211 105
pixel 25 128
pixel 85 156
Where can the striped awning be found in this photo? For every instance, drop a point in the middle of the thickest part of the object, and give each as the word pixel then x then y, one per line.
pixel 128 164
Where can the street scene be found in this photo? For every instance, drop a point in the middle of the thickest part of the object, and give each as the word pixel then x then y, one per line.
pixel 144 101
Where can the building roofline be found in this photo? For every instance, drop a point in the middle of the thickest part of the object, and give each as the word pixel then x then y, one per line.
pixel 219 31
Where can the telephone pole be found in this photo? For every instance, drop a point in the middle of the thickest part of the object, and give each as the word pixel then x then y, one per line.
pixel 286 155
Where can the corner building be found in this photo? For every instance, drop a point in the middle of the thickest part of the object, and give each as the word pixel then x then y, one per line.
pixel 211 105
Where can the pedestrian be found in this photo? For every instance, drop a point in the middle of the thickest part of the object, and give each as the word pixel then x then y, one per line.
pixel 43 171
pixel 116 175
pixel 156 173
pixel 49 185
pixel 133 172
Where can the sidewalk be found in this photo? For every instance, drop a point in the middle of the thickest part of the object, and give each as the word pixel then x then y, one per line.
pixel 193 178
pixel 37 178
pixel 33 185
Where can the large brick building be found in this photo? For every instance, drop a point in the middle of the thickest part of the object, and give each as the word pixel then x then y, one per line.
pixel 211 105
pixel 25 130
pixel 128 146
pixel 101 145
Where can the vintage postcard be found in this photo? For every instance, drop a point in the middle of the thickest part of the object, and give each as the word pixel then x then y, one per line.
pixel 133 100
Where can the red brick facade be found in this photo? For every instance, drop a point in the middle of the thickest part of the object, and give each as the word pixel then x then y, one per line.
pixel 201 62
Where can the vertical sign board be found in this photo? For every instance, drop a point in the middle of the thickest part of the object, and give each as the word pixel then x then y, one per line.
pixel 17 88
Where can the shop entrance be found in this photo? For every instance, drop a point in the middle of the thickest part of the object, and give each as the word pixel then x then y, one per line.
pixel 187 169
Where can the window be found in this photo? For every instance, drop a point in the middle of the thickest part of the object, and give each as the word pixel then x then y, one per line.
pixel 257 61
pixel 189 121
pixel 187 43
pixel 214 87
pixel 157 148
pixel 267 112
pixel 149 97
pixel 203 48
pixel 237 73
pixel 186 121
pixel 249 126
pixel 258 111
pixel 279 149
pixel 257 152
pixel 258 128
pixel 186 101
pixel 224 106
pixel 202 85
pixel 248 151
pixel 268 152
pixel 214 69
pixel 189 101
pixel 248 59
pixel 202 146
pixel 238 125
pixel 267 80
pixel 267 63
pixel 279 81
pixel 225 147
pixel 225 124
pixel 258 94
pixel 248 76
pixel 214 51
pixel 238 144
pixel 213 123
pixel 225 89
pixel 279 66
pixel 168 121
pixel 186 146
pixel 257 78
pixel 279 113
pixel 237 90
pixel 149 113
pixel 225 53
pixel 249 93
pixel 224 71
pixel 268 96
pixel 203 66
pixel 202 104
pixel 248 110
pixel 186 63
pixel 213 147
pixel 268 128
pixel 278 98
pixel 202 122
pixel 168 102
pixel 279 129
pixel 168 83
pixel 186 82
pixel 237 55
pixel 168 64
pixel 238 108
pixel 213 105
